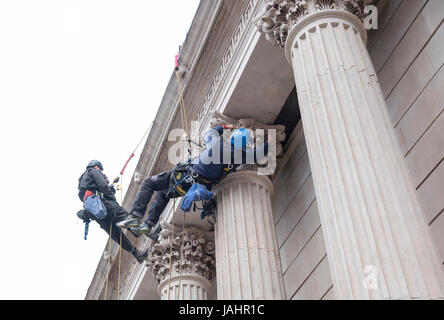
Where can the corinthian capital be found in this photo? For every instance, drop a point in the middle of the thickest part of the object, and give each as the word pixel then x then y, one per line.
pixel 279 16
pixel 188 252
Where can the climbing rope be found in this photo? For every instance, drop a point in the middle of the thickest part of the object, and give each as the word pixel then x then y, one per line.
pixel 121 204
pixel 109 249
pixel 184 121
pixel 181 257
pixel 171 249
pixel 177 295
pixel 109 259
pixel 183 114
pixel 120 249
pixel 181 99
pixel 120 262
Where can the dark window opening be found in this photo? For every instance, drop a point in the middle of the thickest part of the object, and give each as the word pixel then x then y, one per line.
pixel 289 115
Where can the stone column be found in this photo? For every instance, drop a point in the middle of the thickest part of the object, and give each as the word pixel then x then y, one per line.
pixel 247 256
pixel 191 275
pixel 377 241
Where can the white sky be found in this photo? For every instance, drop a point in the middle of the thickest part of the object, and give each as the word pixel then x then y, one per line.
pixel 79 80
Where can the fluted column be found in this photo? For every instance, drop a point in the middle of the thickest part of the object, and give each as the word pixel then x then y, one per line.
pixel 192 263
pixel 377 241
pixel 247 255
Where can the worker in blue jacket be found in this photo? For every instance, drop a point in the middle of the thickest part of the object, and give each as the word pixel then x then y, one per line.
pixel 213 163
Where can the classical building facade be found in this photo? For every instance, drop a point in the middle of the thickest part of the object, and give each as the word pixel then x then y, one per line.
pixel 354 209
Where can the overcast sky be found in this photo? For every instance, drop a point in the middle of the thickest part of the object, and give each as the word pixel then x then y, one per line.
pixel 79 80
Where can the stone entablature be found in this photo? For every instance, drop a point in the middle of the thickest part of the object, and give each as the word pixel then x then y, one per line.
pixel 235 42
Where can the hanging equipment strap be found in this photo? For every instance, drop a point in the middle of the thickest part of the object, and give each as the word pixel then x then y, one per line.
pixel 86 229
pixel 135 149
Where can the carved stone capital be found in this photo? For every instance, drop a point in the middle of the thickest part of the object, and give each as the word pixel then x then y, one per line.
pixel 195 258
pixel 278 17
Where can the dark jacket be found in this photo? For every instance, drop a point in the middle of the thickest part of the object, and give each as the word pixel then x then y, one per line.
pixel 94 180
pixel 214 142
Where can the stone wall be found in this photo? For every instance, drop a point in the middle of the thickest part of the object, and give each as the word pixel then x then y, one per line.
pixel 407 52
pixel 298 227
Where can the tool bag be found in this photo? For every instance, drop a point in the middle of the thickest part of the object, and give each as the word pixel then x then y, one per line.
pixel 95 206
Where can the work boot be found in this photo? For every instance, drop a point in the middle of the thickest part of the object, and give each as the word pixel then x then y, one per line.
pixel 143 228
pixel 155 234
pixel 129 222
pixel 141 256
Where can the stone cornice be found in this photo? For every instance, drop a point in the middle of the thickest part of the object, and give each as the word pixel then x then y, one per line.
pixel 279 16
pixel 230 52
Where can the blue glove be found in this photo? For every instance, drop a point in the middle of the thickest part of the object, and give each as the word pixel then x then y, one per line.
pixel 197 192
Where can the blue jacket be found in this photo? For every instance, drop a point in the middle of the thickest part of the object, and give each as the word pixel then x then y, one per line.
pixel 210 163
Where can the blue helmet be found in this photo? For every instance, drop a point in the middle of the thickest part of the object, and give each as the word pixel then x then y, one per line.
pixel 240 138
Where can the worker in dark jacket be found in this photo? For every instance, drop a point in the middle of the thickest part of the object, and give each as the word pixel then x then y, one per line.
pixel 94 181
pixel 208 169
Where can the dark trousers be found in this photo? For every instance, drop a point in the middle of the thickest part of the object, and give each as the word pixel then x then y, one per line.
pixel 115 214
pixel 159 183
